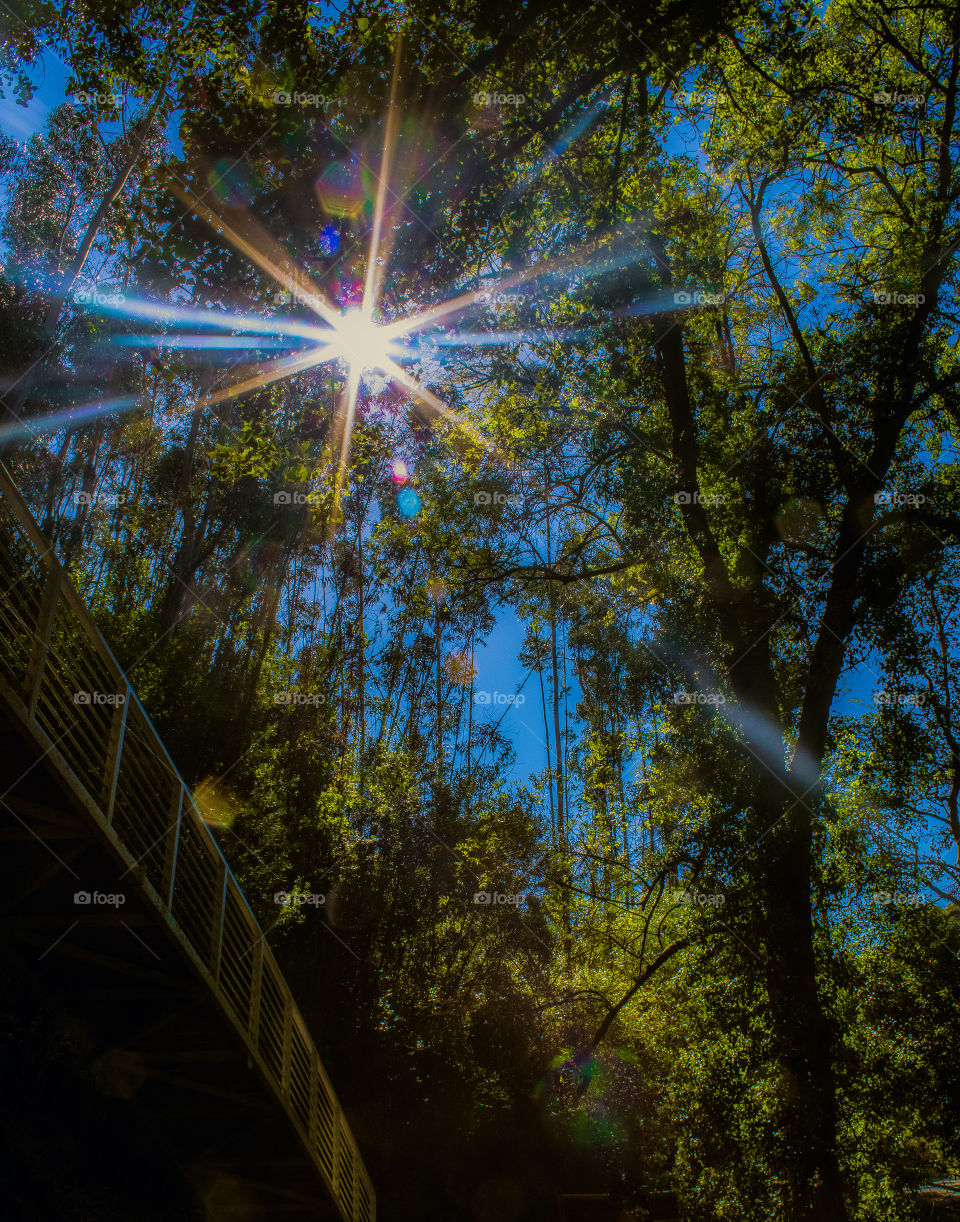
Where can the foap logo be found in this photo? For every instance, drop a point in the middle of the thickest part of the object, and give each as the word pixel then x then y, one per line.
pixel 501 301
pixel 100 498
pixel 294 697
pixel 695 297
pixel 889 698
pixel 91 698
pixel 282 98
pixel 484 697
pixel 697 899
pixel 899 498
pixel 296 297
pixel 297 498
pixel 90 97
pixel 898 899
pixel 94 297
pixel 299 899
pixel 885 97
pixel 498 498
pixel 884 298
pixel 498 99
pixel 699 498
pixel 99 899
pixel 712 698
pixel 492 899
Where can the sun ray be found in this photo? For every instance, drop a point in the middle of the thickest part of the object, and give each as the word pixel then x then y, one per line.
pixel 465 301
pixel 493 339
pixel 266 254
pixel 197 342
pixel 284 368
pixel 561 144
pixel 161 313
pixel 346 416
pixel 69 417
pixel 583 263
pixel 408 382
pixel 377 255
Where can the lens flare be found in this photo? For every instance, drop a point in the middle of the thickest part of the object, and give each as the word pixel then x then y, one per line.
pixel 408 503
pixel 329 240
pixel 343 329
pixel 341 188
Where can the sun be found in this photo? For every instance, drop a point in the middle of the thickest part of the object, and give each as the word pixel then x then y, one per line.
pixel 362 343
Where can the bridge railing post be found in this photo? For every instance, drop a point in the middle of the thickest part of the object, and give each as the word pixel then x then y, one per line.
pixel 43 633
pixel 219 913
pixel 114 751
pixel 173 843
pixel 347 1168
pixel 256 982
pixel 337 1118
pixel 313 1122
pixel 286 1059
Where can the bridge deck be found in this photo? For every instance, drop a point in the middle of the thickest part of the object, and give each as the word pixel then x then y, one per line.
pixel 91 779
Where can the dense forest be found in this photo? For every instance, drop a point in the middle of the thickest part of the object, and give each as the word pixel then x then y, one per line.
pixel 512 449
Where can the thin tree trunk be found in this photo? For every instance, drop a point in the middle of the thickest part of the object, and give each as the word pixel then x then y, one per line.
pixel 546 734
pixel 438 629
pixel 361 652
pixel 22 389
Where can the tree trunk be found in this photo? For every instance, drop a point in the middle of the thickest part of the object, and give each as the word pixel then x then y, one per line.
pixel 21 390
pixel 804 1038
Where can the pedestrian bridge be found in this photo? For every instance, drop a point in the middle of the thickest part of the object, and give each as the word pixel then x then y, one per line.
pixel 187 1012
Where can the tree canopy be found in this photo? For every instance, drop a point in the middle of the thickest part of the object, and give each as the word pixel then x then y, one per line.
pixel 343 345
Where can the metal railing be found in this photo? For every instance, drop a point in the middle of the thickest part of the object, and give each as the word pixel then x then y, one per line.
pixel 59 677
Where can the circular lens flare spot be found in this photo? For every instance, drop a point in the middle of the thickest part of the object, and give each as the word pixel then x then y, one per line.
pixel 341 189
pixel 408 503
pixel 329 240
pixel 399 472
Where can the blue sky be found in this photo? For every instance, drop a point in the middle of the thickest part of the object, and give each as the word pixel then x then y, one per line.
pixel 50 81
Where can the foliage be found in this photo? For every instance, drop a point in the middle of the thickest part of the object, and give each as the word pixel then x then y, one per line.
pixel 718 456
